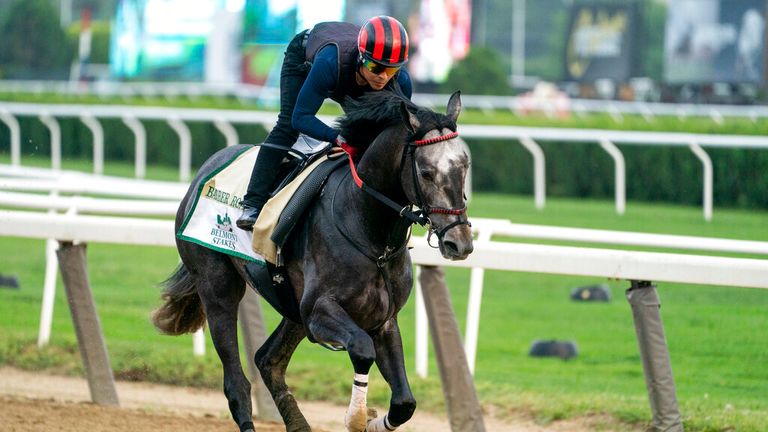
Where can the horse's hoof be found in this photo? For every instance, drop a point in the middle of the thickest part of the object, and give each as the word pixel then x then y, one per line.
pixel 357 421
pixel 298 427
pixel 372 413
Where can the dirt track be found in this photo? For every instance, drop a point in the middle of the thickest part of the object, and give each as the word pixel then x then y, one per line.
pixel 27 415
pixel 36 402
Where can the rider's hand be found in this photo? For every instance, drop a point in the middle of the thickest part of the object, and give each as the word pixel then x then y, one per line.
pixel 353 152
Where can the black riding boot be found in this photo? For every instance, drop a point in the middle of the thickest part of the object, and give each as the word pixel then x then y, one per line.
pixel 260 185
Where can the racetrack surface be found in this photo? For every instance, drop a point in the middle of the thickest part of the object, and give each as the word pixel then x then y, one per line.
pixel 32 401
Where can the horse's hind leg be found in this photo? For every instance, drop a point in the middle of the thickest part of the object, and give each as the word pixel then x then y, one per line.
pixel 221 290
pixel 272 360
pixel 389 359
pixel 330 323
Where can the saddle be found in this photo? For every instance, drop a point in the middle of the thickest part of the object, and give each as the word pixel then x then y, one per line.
pixel 269 279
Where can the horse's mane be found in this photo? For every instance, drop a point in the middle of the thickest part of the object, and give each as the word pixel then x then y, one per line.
pixel 367 116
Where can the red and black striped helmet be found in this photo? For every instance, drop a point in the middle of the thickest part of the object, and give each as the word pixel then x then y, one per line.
pixel 384 40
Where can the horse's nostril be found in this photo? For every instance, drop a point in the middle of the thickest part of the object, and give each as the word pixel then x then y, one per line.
pixel 451 248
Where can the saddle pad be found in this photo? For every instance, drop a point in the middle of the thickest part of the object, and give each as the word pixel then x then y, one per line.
pixel 218 203
pixel 270 214
pixel 303 197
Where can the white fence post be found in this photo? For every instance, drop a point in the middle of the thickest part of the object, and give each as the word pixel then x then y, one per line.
pixel 619 172
pixel 49 292
pixel 140 135
pixel 539 173
pixel 13 126
pixel 473 307
pixel 53 127
pixel 98 141
pixel 185 144
pixel 706 163
pixel 229 131
pixel 422 329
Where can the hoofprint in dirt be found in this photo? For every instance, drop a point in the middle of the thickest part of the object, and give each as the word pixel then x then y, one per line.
pixel 52 400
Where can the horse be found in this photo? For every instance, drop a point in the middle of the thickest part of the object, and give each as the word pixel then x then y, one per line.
pixel 347 261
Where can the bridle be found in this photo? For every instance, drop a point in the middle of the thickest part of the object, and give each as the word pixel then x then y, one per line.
pixel 427 209
pixel 421 215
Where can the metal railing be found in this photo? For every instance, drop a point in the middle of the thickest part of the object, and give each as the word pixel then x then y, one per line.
pixel 224 119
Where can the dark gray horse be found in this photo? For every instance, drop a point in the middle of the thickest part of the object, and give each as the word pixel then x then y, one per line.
pixel 347 261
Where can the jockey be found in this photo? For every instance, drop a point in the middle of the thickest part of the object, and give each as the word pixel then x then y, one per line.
pixel 332 60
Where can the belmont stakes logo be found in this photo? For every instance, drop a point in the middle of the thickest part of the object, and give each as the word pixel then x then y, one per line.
pixel 221 234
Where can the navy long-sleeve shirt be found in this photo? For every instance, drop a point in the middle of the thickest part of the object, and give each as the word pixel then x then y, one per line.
pixel 319 85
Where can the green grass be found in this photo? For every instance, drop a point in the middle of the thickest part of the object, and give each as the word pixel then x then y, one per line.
pixel 715 334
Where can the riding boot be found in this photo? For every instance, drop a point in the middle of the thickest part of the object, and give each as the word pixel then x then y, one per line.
pixel 260 185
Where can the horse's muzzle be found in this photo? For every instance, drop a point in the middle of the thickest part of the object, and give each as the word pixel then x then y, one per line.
pixel 456 244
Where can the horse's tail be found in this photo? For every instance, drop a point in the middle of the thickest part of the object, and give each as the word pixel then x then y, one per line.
pixel 183 309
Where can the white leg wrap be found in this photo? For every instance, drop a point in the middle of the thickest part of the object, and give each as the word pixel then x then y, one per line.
pixel 357 414
pixel 380 424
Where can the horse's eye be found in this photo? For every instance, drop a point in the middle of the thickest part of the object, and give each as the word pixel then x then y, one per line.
pixel 427 175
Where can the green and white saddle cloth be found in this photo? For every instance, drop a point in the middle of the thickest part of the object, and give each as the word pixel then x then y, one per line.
pixel 218 204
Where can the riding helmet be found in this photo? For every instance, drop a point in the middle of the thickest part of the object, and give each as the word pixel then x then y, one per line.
pixel 383 40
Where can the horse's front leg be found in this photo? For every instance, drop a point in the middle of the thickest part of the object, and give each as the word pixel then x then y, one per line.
pixel 329 323
pixel 389 359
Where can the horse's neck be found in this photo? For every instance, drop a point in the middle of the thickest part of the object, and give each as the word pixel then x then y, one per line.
pixel 380 170
pixel 380 165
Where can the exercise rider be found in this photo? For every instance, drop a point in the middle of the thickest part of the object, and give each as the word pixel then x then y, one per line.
pixel 332 60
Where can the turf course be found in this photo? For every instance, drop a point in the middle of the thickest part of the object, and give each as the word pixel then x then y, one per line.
pixel 716 335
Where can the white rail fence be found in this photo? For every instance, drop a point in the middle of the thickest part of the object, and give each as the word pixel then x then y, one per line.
pixel 224 119
pixel 488 254
pixel 608 263
pixel 17 183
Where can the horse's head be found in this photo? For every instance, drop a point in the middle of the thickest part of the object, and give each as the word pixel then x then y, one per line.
pixel 424 146
pixel 434 170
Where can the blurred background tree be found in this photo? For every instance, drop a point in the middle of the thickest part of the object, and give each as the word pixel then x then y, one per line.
pixel 482 72
pixel 34 44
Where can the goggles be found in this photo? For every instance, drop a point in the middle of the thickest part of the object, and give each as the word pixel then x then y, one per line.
pixel 376 68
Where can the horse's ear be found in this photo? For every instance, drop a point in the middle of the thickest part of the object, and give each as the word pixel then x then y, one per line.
pixel 410 120
pixel 454 106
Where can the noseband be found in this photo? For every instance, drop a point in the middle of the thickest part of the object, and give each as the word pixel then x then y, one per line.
pixel 420 216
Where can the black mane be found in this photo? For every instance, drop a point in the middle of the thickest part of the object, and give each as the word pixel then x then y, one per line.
pixel 367 116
